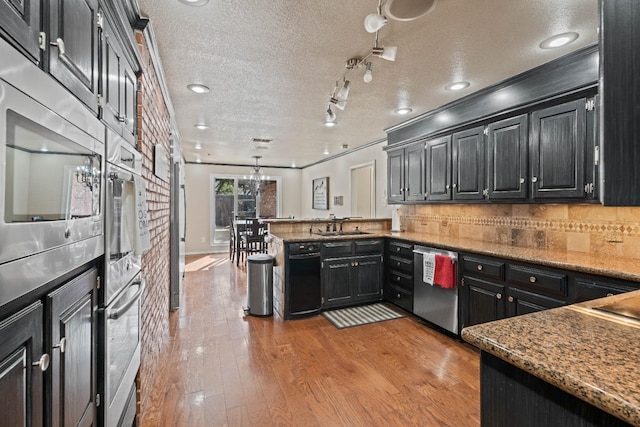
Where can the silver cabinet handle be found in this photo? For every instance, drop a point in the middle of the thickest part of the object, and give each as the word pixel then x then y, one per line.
pixel 522 180
pixel 510 299
pixel 60 44
pixel 398 296
pixel 447 186
pixel 498 296
pixel 609 294
pixel 534 179
pixel 455 185
pixel 43 363
pixel 533 279
pixel 480 267
pixel 62 345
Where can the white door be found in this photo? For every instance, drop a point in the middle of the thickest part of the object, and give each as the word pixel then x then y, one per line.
pixel 363 202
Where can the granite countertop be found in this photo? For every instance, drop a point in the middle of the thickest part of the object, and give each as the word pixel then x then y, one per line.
pixel 319 220
pixel 592 355
pixel 620 268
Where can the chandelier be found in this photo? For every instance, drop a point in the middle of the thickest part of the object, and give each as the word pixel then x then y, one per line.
pixel 257 177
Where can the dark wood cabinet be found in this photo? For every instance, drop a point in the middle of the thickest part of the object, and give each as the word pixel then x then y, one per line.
pixel 520 301
pixel 588 288
pixel 352 272
pixel 558 145
pixel 469 164
pixel 20 23
pixel 119 80
pixel 414 172
pixel 73 48
pixel 398 283
pixel 484 301
pixel 405 173
pixel 438 168
pixel 395 176
pixel 507 158
pixel 72 315
pixel 22 366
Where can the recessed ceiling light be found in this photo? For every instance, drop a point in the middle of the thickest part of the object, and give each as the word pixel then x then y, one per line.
pixel 457 86
pixel 559 40
pixel 197 88
pixel 404 110
pixel 198 160
pixel 198 146
pixel 326 152
pixel 201 126
pixel 195 2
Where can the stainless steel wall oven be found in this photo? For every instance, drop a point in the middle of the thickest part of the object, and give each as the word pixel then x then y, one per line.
pixel 51 193
pixel 123 285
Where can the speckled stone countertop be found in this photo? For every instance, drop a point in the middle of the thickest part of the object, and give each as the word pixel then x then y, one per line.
pixel 621 268
pixel 592 355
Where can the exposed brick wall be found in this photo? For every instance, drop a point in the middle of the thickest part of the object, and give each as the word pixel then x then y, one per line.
pixel 269 199
pixel 154 128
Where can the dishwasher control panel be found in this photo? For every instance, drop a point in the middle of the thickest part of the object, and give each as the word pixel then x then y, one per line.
pixel 303 248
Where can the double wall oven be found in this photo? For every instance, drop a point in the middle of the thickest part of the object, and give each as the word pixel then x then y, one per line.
pixel 123 285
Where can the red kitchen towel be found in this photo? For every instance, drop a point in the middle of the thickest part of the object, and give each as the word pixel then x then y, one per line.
pixel 445 274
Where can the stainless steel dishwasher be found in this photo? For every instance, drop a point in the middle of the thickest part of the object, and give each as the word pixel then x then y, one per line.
pixel 303 282
pixel 432 302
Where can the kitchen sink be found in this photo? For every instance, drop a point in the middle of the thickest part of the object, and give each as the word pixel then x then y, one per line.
pixel 629 307
pixel 339 233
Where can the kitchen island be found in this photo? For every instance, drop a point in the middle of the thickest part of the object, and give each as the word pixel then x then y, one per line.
pixel 569 366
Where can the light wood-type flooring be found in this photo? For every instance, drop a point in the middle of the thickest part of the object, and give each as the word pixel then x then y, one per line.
pixel 226 369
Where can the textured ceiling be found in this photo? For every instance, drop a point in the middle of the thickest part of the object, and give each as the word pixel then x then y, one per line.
pixel 272 65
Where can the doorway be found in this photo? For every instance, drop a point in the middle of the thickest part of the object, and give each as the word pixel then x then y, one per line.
pixel 363 190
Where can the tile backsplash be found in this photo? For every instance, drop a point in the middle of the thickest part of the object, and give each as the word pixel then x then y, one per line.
pixel 586 228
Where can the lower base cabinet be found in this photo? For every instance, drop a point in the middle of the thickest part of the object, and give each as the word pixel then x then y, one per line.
pixel 22 363
pixel 351 280
pixel 48 359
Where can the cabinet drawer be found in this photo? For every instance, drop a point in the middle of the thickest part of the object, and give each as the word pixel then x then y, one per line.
pixel 401 264
pixel 368 246
pixel 337 249
pixel 402 280
pixel 588 289
pixel 401 249
pixel 539 280
pixel 400 297
pixel 483 267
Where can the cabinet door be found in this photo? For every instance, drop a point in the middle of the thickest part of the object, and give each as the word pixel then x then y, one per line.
pixel 367 278
pixel 336 283
pixel 414 172
pixel 73 357
pixel 586 290
pixel 119 82
pixel 469 160
pixel 438 169
pixel 558 140
pixel 20 21
pixel 524 302
pixel 485 301
pixel 395 176
pixel 73 60
pixel 507 158
pixel 20 381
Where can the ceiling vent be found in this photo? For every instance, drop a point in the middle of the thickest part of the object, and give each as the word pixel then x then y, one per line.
pixel 261 143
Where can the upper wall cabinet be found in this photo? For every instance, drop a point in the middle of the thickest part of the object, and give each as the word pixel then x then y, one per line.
pixel 558 145
pixel 438 169
pixel 469 164
pixel 20 24
pixel 507 154
pixel 405 167
pixel 119 81
pixel 73 47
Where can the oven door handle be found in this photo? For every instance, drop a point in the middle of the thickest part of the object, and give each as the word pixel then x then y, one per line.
pixel 114 314
pixel 120 176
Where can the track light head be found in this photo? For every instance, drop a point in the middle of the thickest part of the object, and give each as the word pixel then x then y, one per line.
pixel 388 53
pixel 343 93
pixel 373 22
pixel 368 74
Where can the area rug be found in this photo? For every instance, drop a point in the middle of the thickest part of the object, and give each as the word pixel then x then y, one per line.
pixel 362 315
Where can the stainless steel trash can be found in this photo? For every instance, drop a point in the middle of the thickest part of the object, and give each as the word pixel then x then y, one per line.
pixel 260 285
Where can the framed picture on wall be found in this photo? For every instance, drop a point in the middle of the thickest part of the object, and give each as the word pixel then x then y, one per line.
pixel 320 193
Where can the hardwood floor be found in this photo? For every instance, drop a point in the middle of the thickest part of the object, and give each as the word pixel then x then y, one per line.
pixel 226 369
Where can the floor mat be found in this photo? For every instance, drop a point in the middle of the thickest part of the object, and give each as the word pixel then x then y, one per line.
pixel 356 316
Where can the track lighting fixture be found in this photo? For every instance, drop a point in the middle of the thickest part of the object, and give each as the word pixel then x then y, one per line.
pixel 372 23
pixel 330 119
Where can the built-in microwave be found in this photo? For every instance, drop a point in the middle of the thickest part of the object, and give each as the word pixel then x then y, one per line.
pixel 51 186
